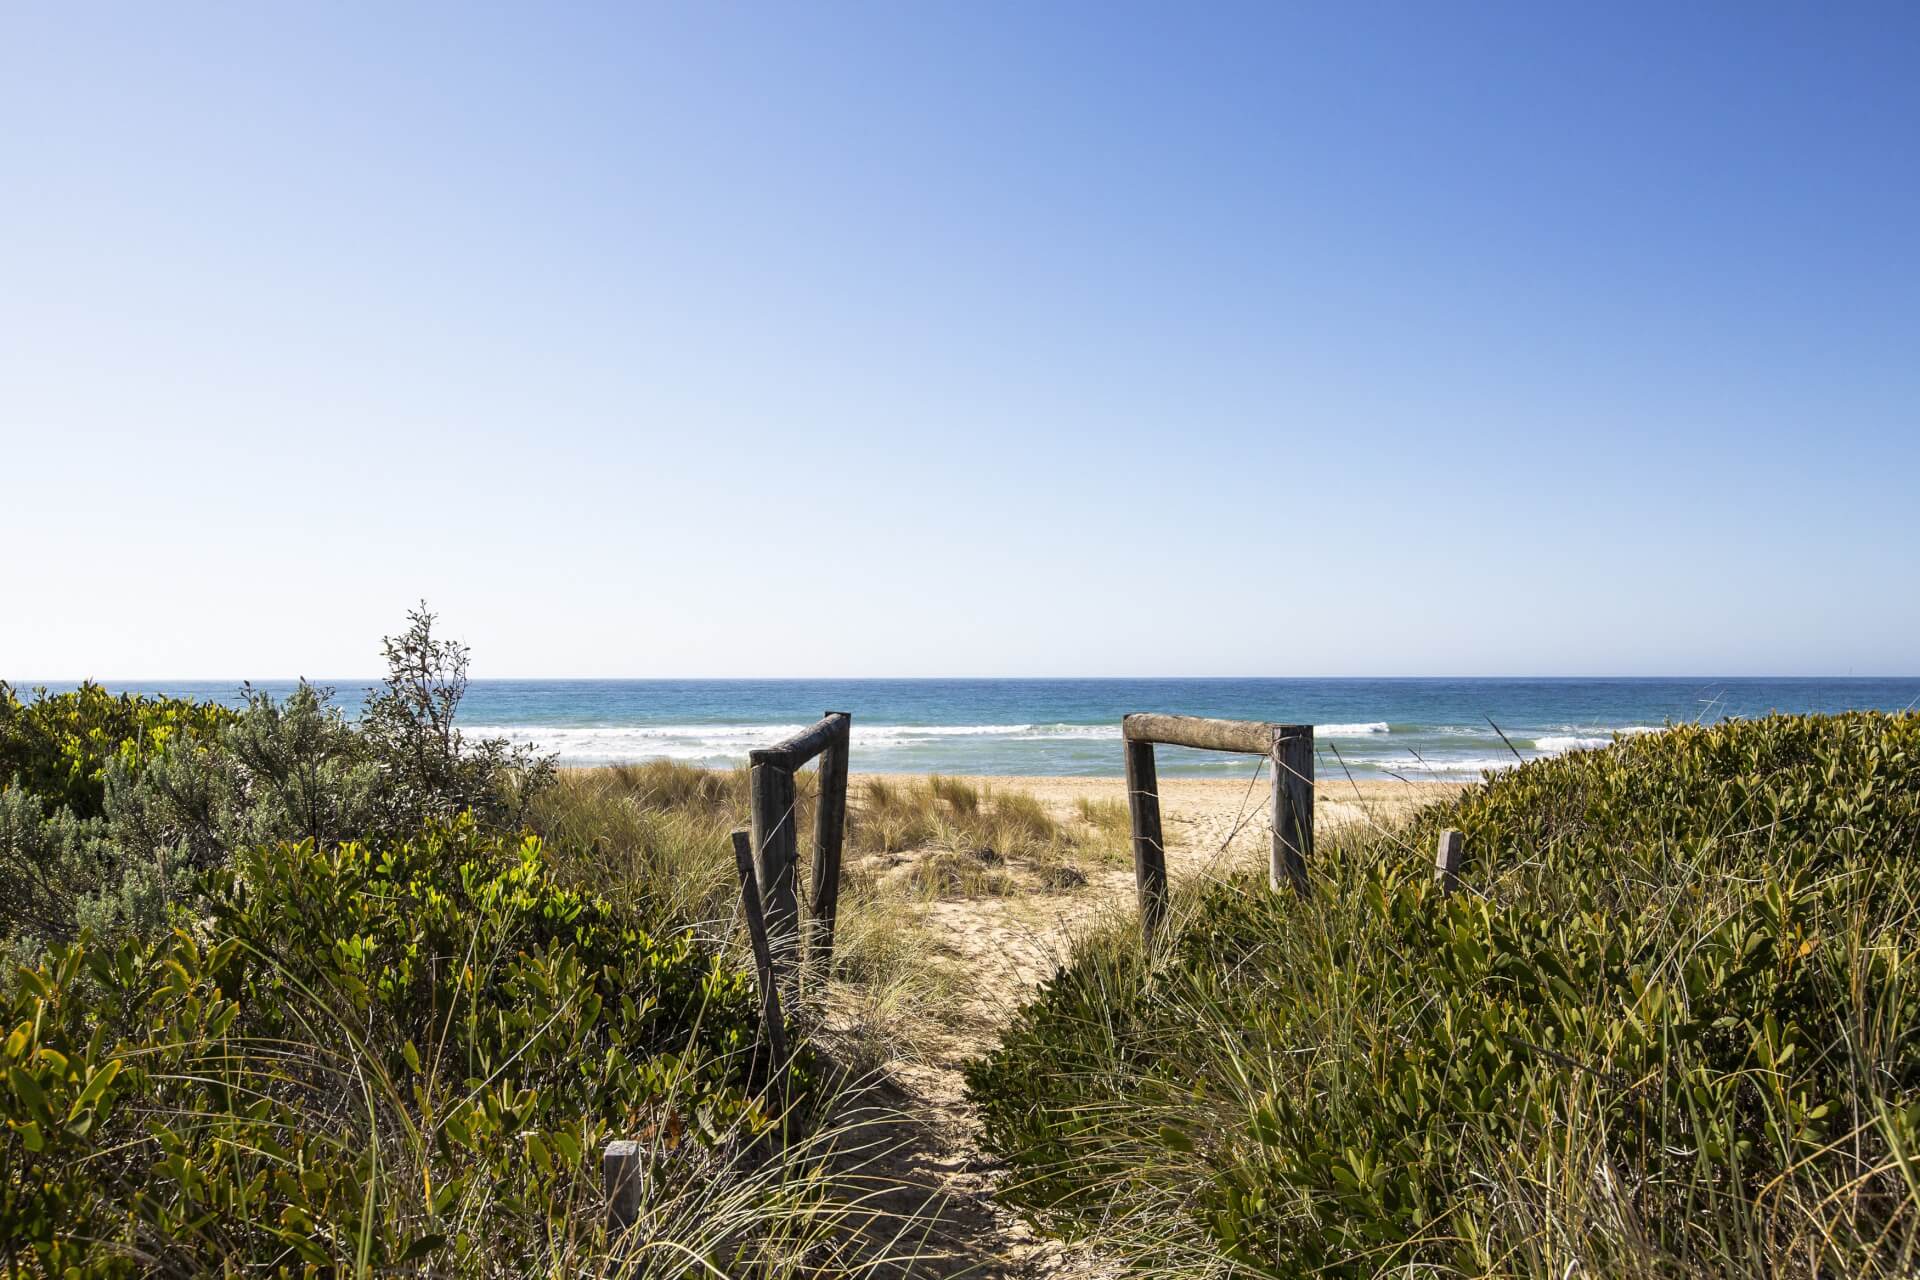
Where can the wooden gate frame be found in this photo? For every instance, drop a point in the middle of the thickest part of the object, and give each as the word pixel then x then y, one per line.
pixel 1289 747
pixel 776 844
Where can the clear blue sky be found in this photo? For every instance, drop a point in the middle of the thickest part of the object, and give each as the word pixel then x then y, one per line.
pixel 1046 339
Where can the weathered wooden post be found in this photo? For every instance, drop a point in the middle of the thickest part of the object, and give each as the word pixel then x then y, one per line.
pixel 1446 860
pixel 1292 757
pixel 770 1016
pixel 829 835
pixel 1149 852
pixel 621 1177
pixel 775 849
pixel 775 833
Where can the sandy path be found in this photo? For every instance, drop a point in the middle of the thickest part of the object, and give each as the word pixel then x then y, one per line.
pixel 1002 947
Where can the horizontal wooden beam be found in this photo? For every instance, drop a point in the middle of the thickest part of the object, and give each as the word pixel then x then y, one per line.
pixel 802 746
pixel 1248 737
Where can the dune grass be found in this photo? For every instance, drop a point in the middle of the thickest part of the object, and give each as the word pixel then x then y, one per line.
pixel 1666 1030
pixel 654 837
pixel 975 837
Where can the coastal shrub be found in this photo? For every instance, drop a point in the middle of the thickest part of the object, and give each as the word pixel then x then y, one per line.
pixel 378 1057
pixel 113 807
pixel 1667 1029
pixel 265 772
pixel 59 745
pixel 429 769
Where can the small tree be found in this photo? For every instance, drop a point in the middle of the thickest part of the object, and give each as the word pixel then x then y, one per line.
pixel 428 769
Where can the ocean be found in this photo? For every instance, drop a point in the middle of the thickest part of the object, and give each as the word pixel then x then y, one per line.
pixel 1411 728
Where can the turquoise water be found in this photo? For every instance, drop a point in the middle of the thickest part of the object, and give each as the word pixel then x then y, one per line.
pixel 1416 728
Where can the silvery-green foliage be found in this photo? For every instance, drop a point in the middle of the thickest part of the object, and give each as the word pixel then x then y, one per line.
pixel 46 861
pixel 428 768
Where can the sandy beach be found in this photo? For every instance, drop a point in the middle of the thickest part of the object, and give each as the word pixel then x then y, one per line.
pixel 1204 816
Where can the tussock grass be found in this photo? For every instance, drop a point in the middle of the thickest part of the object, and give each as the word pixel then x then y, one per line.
pixel 972 831
pixel 653 839
pixel 953 873
pixel 1109 817
pixel 891 984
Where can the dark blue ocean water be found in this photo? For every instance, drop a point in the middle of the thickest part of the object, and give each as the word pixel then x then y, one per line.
pixel 1420 728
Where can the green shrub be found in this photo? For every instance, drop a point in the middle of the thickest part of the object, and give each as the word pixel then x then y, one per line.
pixel 59 745
pixel 1668 1029
pixel 112 808
pixel 428 769
pixel 404 1055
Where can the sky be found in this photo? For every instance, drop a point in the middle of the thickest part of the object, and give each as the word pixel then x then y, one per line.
pixel 961 338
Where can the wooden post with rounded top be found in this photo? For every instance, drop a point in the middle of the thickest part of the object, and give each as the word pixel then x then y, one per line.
pixel 829 835
pixel 1149 853
pixel 775 850
pixel 1292 805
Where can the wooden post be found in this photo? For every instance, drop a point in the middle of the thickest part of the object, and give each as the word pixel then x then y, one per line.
pixel 1292 806
pixel 829 835
pixel 775 850
pixel 770 1015
pixel 621 1169
pixel 1149 853
pixel 1446 860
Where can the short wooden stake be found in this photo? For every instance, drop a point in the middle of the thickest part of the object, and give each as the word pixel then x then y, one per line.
pixel 621 1173
pixel 829 836
pixel 770 1016
pixel 1446 860
pixel 1149 853
pixel 1292 760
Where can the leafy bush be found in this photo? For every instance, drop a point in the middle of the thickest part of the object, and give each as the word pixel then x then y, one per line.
pixel 408 1054
pixel 428 768
pixel 59 746
pixel 113 807
pixel 1668 1029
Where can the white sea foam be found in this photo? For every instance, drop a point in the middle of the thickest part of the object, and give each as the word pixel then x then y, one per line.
pixel 1555 745
pixel 607 744
pixel 602 744
pixel 1352 730
pixel 1448 768
pixel 896 734
pixel 884 733
pixel 1111 731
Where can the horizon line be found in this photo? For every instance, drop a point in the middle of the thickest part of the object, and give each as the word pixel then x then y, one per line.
pixel 813 679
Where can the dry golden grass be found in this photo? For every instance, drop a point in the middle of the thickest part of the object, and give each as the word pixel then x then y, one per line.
pixel 972 837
